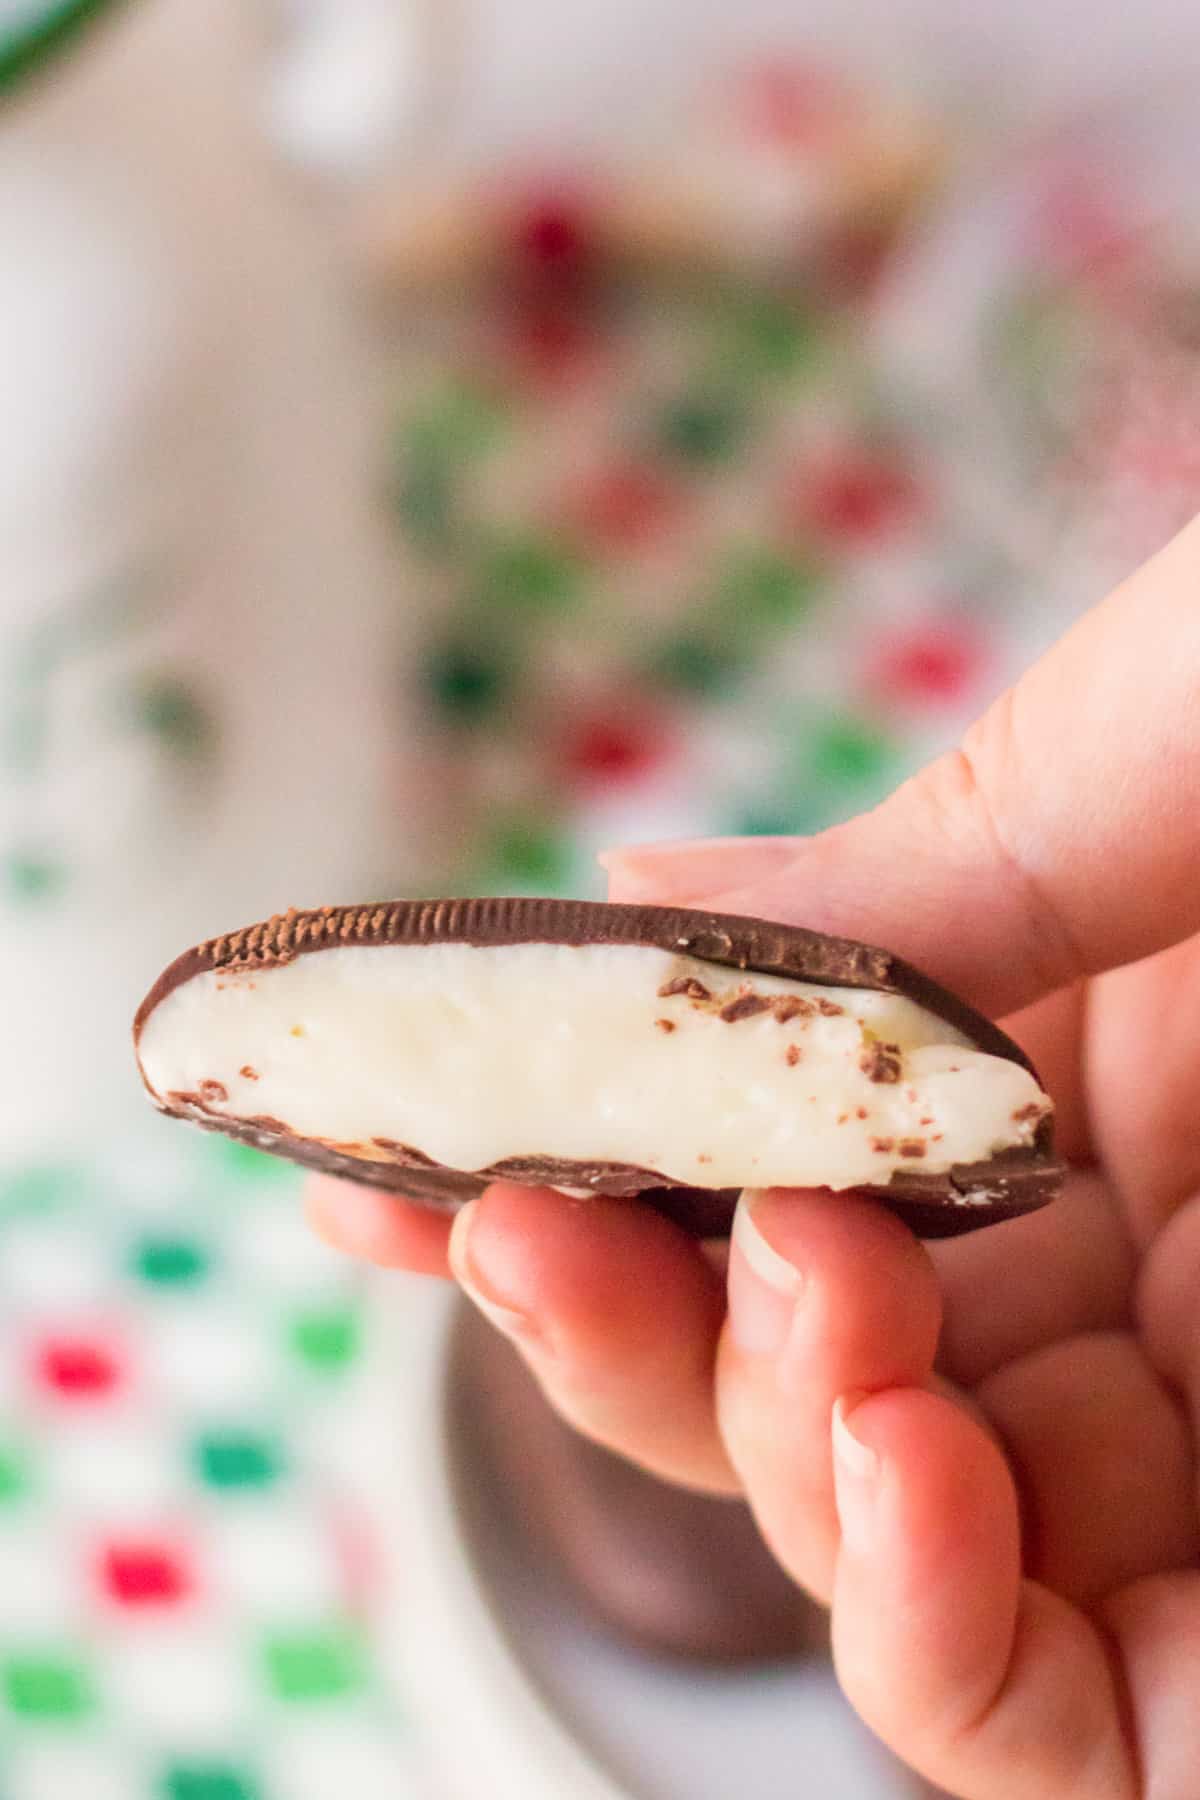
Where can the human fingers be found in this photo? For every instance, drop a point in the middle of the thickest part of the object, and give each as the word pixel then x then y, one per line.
pixel 378 1227
pixel 616 1311
pixel 989 1684
pixel 1077 790
pixel 827 1292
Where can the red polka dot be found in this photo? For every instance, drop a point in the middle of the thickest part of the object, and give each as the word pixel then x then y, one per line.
pixel 609 750
pixel 857 498
pixel 628 507
pixel 930 664
pixel 136 1573
pixel 78 1368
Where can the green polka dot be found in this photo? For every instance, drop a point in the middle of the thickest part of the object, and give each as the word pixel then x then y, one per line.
pixel 173 713
pixel 691 663
pixel 207 1781
pixel 465 682
pixel 851 751
pixel 425 504
pixel 245 1163
pixel 769 336
pixel 46 1687
pixel 170 1262
pixel 31 876
pixel 528 853
pixel 528 573
pixel 760 587
pixel 313 1667
pixel 761 821
pixel 461 422
pixel 233 1459
pixel 326 1340
pixel 42 1187
pixel 14 1477
pixel 702 428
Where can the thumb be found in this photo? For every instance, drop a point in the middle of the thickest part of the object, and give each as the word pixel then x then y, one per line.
pixel 1060 839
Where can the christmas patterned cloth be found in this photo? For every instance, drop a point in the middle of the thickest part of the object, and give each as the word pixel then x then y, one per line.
pixel 694 556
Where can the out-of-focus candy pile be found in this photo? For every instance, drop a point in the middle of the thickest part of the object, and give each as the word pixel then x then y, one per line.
pixel 691 553
pixel 706 559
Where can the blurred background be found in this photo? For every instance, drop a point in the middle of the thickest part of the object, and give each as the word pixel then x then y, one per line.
pixel 439 438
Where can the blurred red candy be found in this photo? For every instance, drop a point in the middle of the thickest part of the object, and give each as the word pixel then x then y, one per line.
pixel 552 239
pixel 628 506
pixel 929 664
pixel 610 749
pixel 859 497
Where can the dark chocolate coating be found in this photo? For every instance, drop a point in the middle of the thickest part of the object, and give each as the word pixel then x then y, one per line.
pixel 964 1198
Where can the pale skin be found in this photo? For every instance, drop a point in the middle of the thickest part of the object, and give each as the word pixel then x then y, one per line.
pixel 983 1454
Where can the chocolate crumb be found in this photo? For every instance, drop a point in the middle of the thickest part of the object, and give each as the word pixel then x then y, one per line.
pixel 665 1024
pixel 860 1112
pixel 924 1121
pixel 842 1118
pixel 829 1009
pixel 792 1055
pixel 743 1006
pixel 1024 1114
pixel 686 985
pixel 791 1006
pixel 937 1137
pixel 881 1062
pixel 248 1072
pixel 883 1145
pixel 213 1091
pixel 912 1147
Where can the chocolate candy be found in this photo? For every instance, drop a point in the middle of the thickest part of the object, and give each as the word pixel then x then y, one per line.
pixel 681 1573
pixel 431 1046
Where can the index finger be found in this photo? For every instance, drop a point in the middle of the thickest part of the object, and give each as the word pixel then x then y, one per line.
pixel 1059 840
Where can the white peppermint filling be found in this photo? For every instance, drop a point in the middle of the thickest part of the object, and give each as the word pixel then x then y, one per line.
pixel 475 1054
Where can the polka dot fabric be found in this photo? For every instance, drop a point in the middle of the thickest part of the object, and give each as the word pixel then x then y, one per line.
pixel 186 1569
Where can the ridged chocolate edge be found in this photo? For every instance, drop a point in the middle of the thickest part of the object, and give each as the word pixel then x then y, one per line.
pixel 761 946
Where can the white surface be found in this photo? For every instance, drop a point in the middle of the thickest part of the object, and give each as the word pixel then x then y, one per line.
pixel 519 1700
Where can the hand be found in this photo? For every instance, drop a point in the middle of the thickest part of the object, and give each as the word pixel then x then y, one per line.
pixel 982 1453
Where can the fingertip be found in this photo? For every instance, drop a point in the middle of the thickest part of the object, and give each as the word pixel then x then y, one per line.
pixel 928 1573
pixel 377 1227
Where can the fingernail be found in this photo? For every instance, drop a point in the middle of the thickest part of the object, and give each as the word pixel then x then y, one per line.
pixel 763 1286
pixel 856 1472
pixel 510 1320
pixel 678 871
